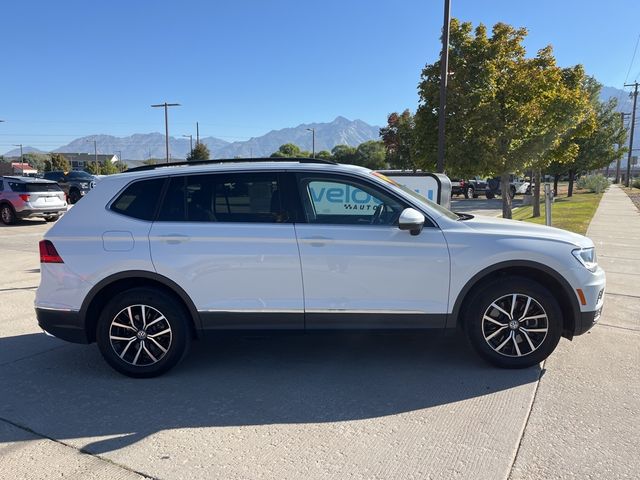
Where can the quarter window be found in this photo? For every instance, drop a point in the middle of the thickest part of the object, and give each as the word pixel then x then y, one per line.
pixel 140 199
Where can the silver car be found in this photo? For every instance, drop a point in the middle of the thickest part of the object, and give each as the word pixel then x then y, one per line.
pixel 27 197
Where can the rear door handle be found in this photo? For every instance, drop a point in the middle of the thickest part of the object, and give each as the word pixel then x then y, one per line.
pixel 174 238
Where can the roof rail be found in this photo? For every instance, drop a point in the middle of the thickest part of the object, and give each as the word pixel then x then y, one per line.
pixel 231 160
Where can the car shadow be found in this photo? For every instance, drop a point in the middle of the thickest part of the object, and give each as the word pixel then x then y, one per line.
pixel 68 393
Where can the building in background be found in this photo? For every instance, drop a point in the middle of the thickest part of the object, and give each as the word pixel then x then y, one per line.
pixel 23 169
pixel 80 161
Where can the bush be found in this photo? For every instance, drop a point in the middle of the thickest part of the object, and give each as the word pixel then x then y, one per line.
pixel 593 183
pixel 636 183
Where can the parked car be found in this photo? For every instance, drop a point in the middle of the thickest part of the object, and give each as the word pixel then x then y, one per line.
pixel 469 188
pixel 29 197
pixel 517 186
pixel 158 256
pixel 76 183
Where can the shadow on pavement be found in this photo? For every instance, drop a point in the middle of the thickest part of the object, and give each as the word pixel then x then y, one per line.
pixel 69 393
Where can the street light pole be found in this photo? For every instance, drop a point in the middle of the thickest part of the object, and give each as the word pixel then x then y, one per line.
pixel 444 74
pixel 190 137
pixel 313 142
pixel 166 123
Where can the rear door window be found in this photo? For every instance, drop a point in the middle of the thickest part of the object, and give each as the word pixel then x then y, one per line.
pixel 237 197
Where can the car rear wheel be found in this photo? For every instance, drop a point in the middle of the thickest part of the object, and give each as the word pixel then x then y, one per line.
pixel 143 332
pixel 489 195
pixel 7 215
pixel 513 322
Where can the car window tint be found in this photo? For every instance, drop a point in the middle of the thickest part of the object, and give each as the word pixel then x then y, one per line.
pixel 242 197
pixel 139 200
pixel 348 202
pixel 42 187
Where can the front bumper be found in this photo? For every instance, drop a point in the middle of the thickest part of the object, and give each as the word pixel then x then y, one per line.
pixel 64 324
pixel 586 321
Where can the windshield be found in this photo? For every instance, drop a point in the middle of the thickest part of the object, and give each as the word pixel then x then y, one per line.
pixel 439 208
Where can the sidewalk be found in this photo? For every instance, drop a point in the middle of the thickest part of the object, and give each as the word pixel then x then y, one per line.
pixel 585 420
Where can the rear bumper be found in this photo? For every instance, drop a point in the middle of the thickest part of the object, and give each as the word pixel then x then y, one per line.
pixel 41 212
pixel 64 324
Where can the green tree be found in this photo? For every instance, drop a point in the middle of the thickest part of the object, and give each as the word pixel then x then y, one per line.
pixel 504 110
pixel 399 139
pixel 324 154
pixel 199 152
pixel 108 168
pixel 289 150
pixel 371 154
pixel 93 168
pixel 344 154
pixel 58 162
pixel 36 160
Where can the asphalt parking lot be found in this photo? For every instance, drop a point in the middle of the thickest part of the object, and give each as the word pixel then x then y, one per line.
pixel 318 406
pixel 481 205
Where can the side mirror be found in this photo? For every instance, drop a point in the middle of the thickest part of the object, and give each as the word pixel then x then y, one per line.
pixel 412 220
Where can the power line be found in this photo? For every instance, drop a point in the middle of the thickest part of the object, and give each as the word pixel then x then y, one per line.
pixel 633 57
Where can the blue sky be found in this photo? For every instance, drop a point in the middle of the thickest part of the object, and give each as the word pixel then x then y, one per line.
pixel 244 67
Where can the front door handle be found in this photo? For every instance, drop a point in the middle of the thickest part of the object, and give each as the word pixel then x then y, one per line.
pixel 317 240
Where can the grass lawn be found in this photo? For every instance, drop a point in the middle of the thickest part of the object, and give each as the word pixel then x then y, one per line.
pixel 573 214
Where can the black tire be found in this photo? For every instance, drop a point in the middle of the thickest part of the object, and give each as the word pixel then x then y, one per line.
pixel 143 357
pixel 52 218
pixel 506 341
pixel 74 196
pixel 7 214
pixel 469 193
pixel 490 195
pixel 512 191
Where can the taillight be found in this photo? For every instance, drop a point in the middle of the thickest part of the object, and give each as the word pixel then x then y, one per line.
pixel 24 197
pixel 48 253
pixel 462 183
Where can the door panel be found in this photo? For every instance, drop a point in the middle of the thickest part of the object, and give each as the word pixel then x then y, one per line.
pixel 373 270
pixel 225 238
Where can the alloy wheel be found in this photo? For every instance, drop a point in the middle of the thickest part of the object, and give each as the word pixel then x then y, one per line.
pixel 140 335
pixel 515 325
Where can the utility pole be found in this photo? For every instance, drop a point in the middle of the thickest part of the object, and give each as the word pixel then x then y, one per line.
pixel 633 124
pixel 166 123
pixel 197 133
pixel 21 155
pixel 444 74
pixel 313 141
pixel 622 115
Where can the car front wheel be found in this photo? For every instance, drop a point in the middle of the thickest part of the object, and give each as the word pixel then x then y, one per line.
pixel 143 332
pixel 513 322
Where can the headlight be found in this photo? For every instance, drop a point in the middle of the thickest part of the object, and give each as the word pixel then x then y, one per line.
pixel 587 257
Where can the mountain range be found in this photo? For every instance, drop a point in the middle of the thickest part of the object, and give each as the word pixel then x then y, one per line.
pixel 139 146
pixel 340 131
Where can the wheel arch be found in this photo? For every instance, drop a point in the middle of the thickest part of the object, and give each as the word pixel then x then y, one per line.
pixel 100 294
pixel 559 287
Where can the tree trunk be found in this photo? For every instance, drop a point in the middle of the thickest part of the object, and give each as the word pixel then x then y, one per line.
pixel 505 189
pixel 556 178
pixel 536 193
pixel 572 175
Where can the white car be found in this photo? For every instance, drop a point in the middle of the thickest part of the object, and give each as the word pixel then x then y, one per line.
pixel 157 256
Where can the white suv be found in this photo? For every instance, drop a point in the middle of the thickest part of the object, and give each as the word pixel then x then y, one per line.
pixel 160 255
